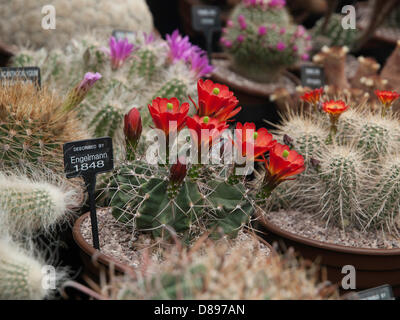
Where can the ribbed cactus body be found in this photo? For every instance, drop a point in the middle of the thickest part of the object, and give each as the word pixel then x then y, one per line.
pixel 21 275
pixel 377 136
pixel 383 207
pixel 33 127
pixel 107 120
pixel 141 198
pixel 342 177
pixel 172 88
pixel 145 64
pixel 334 34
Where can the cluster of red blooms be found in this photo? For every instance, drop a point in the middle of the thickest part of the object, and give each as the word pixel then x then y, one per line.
pixel 215 108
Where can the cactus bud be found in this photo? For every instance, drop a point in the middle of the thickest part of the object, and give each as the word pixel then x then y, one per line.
pixel 132 130
pixel 178 171
pixel 78 94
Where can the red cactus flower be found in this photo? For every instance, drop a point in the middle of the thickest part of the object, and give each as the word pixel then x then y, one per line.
pixel 247 138
pixel 335 108
pixel 282 164
pixel 133 126
pixel 313 97
pixel 205 130
pixel 168 115
pixel 387 97
pixel 178 172
pixel 216 100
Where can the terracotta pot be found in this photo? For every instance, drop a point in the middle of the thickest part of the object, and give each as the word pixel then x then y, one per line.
pixel 94 260
pixel 254 97
pixel 374 267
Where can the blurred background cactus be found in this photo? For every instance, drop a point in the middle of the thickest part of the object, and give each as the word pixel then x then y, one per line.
pixel 72 18
pixel 331 33
pixel 351 180
pixel 149 67
pixel 241 269
pixel 263 41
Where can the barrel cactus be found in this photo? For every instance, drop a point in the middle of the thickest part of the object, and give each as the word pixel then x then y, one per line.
pixel 262 39
pixel 34 127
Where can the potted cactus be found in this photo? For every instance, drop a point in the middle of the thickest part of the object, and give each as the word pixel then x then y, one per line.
pixel 179 189
pixel 261 42
pixel 344 207
pixel 215 271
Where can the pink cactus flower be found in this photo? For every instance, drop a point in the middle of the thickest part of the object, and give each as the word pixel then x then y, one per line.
pixel 281 46
pixel 262 30
pixel 120 50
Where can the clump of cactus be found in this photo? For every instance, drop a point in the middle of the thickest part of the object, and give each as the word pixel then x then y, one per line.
pixel 352 181
pixel 263 41
pixel 134 71
pixel 171 192
pixel 34 126
pixel 331 33
pixel 221 271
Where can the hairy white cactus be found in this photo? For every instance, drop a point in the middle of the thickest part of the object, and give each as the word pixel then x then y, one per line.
pixel 29 206
pixel 21 274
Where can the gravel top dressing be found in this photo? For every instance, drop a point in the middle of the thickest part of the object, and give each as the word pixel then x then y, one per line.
pixel 309 226
pixel 119 242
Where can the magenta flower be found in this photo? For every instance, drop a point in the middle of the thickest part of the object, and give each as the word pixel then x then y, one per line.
pixel 149 38
pixel 199 63
pixel 180 47
pixel 120 50
pixel 240 38
pixel 305 57
pixel 229 23
pixel 295 48
pixel 262 30
pixel 300 31
pixel 277 3
pixel 242 22
pixel 281 46
pixel 88 81
pixel 78 94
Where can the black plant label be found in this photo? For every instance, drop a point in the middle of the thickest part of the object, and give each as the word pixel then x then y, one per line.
pixel 88 157
pixel 10 75
pixel 206 18
pixel 312 76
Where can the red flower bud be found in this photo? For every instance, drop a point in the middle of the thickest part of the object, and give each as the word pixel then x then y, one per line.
pixel 178 172
pixel 132 127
